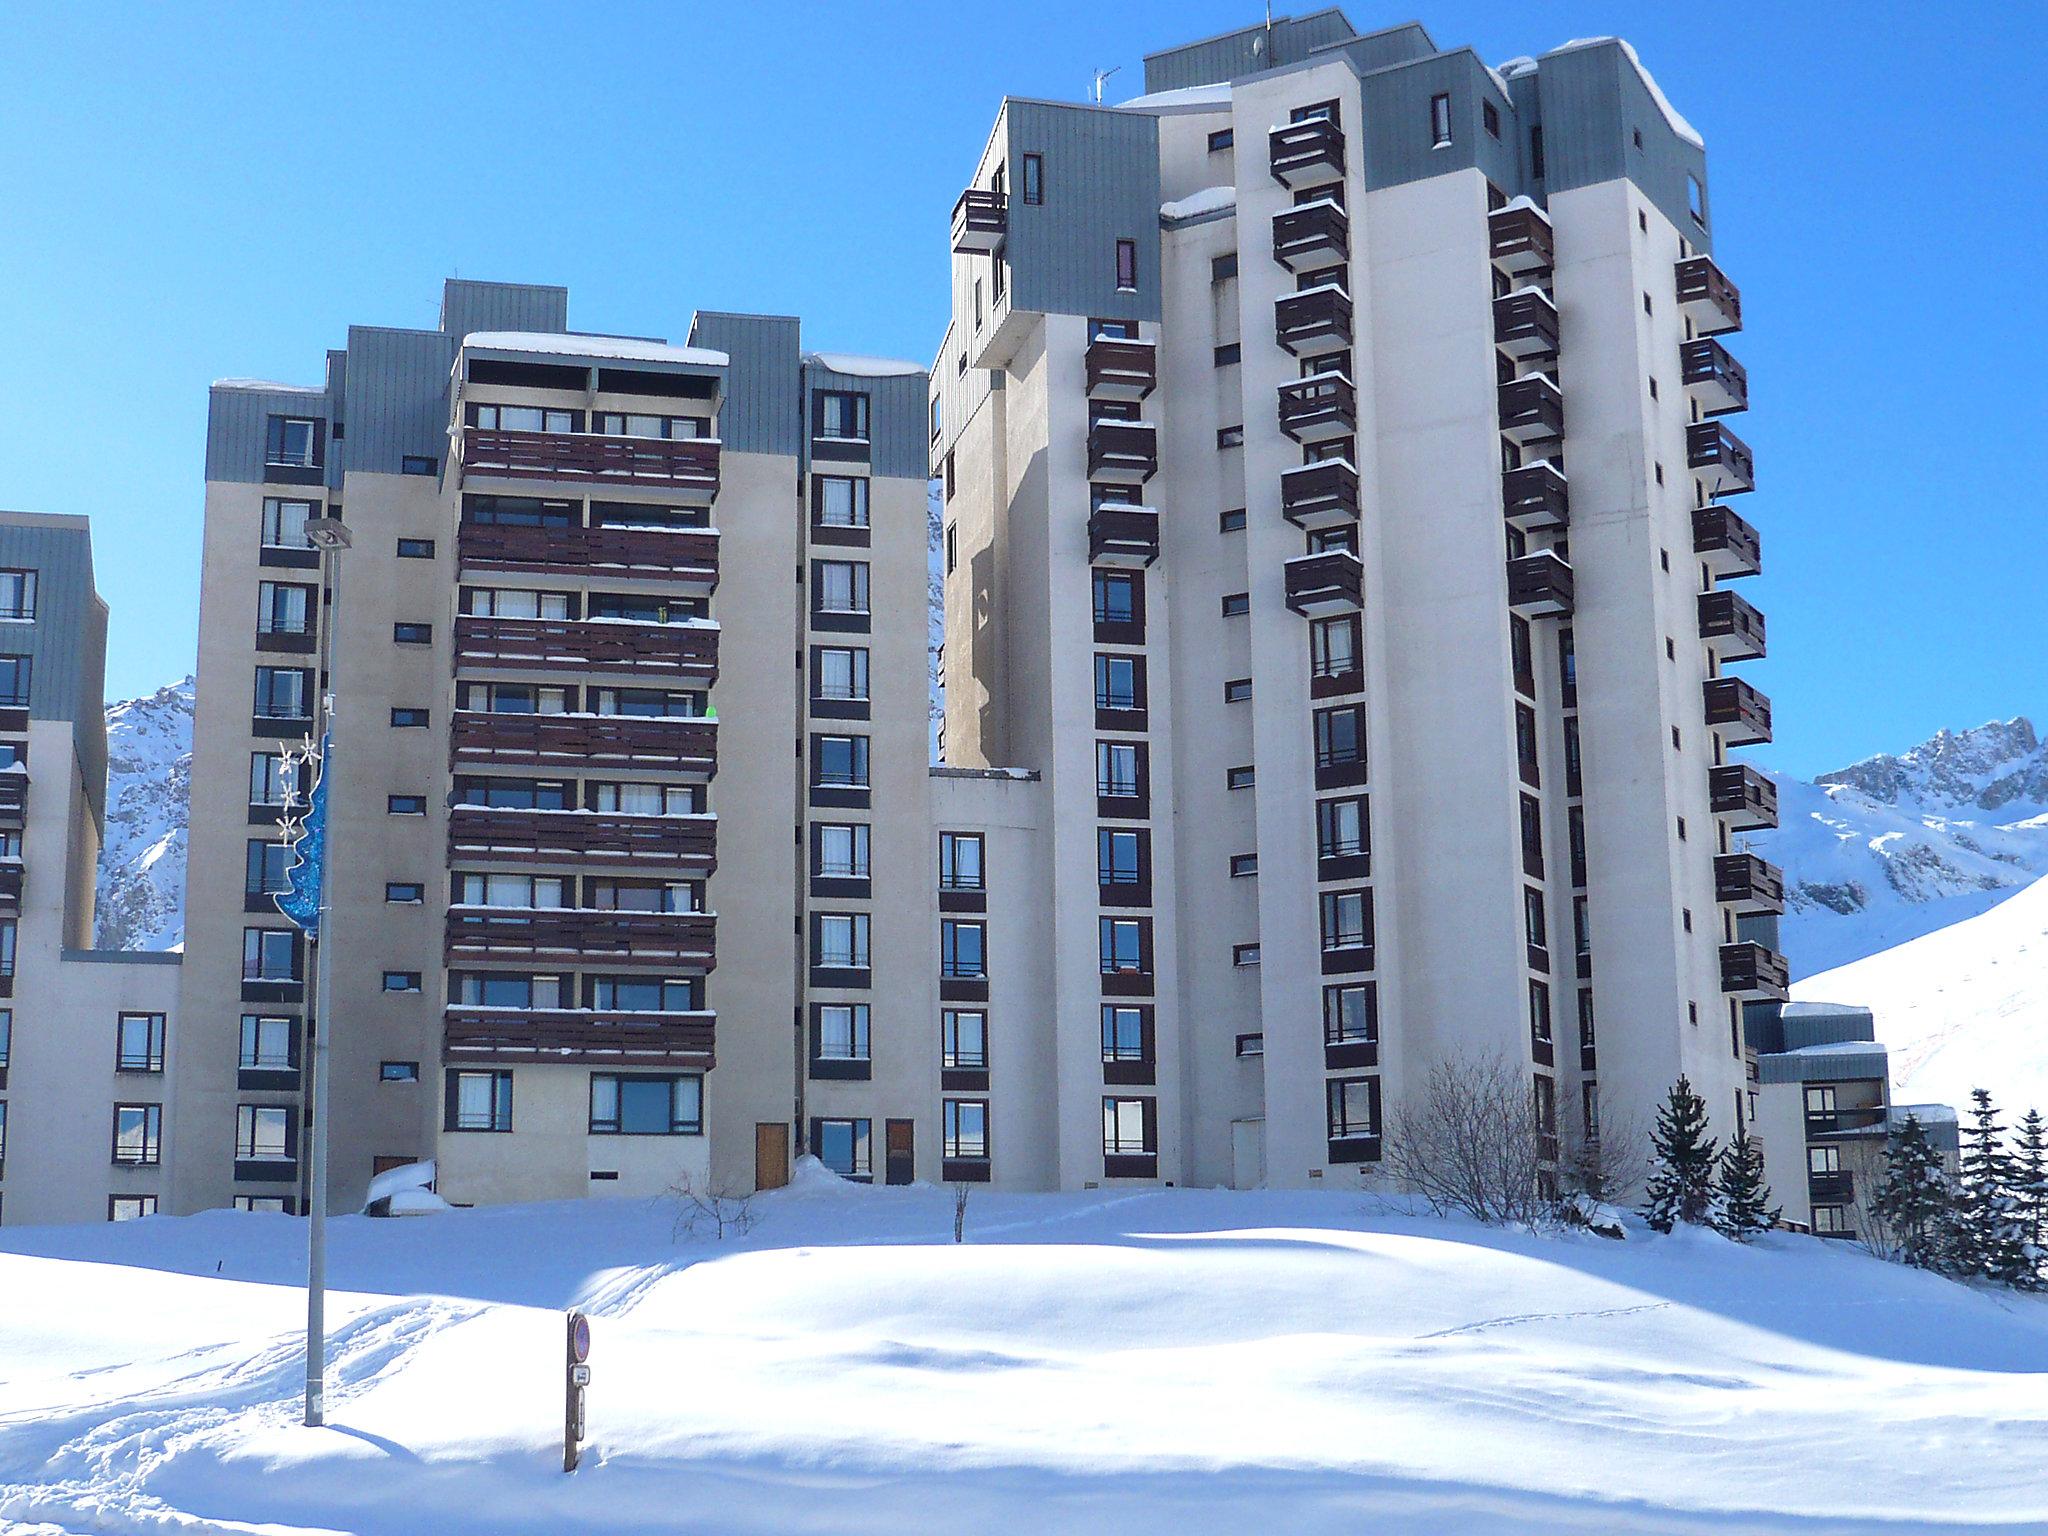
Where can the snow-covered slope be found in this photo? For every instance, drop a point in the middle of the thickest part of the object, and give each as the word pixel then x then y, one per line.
pixel 1174 1361
pixel 1963 1007
pixel 1900 845
pixel 141 902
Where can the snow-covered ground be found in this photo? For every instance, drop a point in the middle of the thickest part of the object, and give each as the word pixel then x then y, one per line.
pixel 1174 1361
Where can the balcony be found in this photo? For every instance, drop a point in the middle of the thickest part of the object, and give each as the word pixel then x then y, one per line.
pixel 667 846
pixel 1331 582
pixel 687 555
pixel 13 800
pixel 1837 1188
pixel 1121 368
pixel 1726 542
pixel 659 743
pixel 1707 298
pixel 1536 497
pixel 980 221
pixel 1753 973
pixel 1742 797
pixel 671 652
pixel 1123 535
pixel 1311 235
pixel 1731 627
pixel 1525 324
pixel 503 1036
pixel 1124 451
pixel 1313 319
pixel 615 938
pixel 1320 495
pixel 1519 238
pixel 1737 712
pixel 1306 154
pixel 12 875
pixel 686 468
pixel 1750 885
pixel 1319 409
pixel 1718 383
pixel 1531 410
pixel 1721 458
pixel 1540 585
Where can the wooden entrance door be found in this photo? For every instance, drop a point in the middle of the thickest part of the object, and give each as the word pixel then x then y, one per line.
pixel 771 1154
pixel 902 1152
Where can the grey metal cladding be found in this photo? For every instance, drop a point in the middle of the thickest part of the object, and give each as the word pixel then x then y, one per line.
pixel 398 397
pixel 237 420
pixel 1399 144
pixel 468 305
pixel 1288 40
pixel 1378 50
pixel 337 408
pixel 1593 103
pixel 1101 186
pixel 898 439
pixel 1833 1067
pixel 763 409
pixel 66 642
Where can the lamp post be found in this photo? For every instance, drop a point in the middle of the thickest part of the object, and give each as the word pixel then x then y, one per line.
pixel 331 537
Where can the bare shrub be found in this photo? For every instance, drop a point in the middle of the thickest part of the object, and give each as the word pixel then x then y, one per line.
pixel 1470 1142
pixel 960 1194
pixel 702 1213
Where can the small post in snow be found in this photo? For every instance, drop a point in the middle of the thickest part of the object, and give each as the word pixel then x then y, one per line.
pixel 576 1376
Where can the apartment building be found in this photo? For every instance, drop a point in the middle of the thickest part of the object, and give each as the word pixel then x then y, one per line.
pixel 624 667
pixel 86 1036
pixel 1337 491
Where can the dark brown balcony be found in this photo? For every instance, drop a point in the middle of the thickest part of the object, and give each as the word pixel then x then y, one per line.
pixel 1743 797
pixel 503 1036
pixel 1726 543
pixel 1121 368
pixel 665 743
pixel 14 717
pixel 12 876
pixel 1311 235
pixel 1123 535
pixel 1313 319
pixel 1319 408
pixel 1720 458
pixel 671 652
pixel 13 798
pixel 653 845
pixel 615 938
pixel 687 468
pixel 1519 238
pixel 1837 1188
pixel 980 221
pixel 1124 451
pixel 1540 585
pixel 1320 495
pixel 1753 973
pixel 1707 298
pixel 1731 627
pixel 687 555
pixel 1525 324
pixel 1750 885
pixel 1331 582
pixel 1307 153
pixel 1536 497
pixel 1710 374
pixel 1531 410
pixel 1737 712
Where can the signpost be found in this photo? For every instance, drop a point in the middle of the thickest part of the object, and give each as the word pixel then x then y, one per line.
pixel 575 1377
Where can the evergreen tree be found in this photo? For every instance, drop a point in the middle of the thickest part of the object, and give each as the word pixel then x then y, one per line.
pixel 1682 1187
pixel 1745 1207
pixel 1916 1200
pixel 1993 1228
pixel 2030 1165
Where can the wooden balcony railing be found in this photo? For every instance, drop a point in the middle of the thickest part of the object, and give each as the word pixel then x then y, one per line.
pixel 1330 582
pixel 686 466
pixel 1531 410
pixel 619 938
pixel 478 739
pixel 493 1036
pixel 1725 541
pixel 1709 371
pixel 1320 495
pixel 1754 973
pixel 1536 497
pixel 686 555
pixel 1123 450
pixel 1724 459
pixel 1519 238
pixel 1525 323
pixel 1312 318
pixel 1731 626
pixel 1743 796
pixel 1540 585
pixel 1121 367
pixel 653 845
pixel 1316 234
pixel 1123 535
pixel 683 652
pixel 1706 297
pixel 981 219
pixel 1306 152
pixel 1750 885
pixel 1319 408
pixel 1738 711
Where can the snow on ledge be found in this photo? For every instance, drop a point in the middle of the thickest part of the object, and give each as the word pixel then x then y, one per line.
pixel 271 386
pixel 618 348
pixel 855 366
pixel 1208 200
pixel 1217 95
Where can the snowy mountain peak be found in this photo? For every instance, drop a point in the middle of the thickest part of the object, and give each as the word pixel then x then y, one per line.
pixel 1997 764
pixel 149 787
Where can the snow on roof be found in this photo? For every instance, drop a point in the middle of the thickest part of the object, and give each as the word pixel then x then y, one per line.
pixel 1926 1114
pixel 1208 200
pixel 619 348
pixel 856 366
pixel 272 385
pixel 1521 64
pixel 1679 125
pixel 1815 1008
pixel 1187 96
pixel 1523 200
pixel 1839 1048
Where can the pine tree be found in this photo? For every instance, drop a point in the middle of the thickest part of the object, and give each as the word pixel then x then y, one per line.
pixel 1682 1188
pixel 1916 1200
pixel 1994 1240
pixel 2030 1165
pixel 1745 1206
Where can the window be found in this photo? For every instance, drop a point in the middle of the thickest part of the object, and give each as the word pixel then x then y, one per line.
pixel 841 940
pixel 1221 139
pixel 1826 1159
pixel 401 981
pixel 1242 955
pixel 632 798
pixel 1696 200
pixel 1489 118
pixel 1230 437
pixel 412 634
pixel 1119 682
pixel 1237 690
pixel 1118 597
pixel 514 603
pixel 1119 770
pixel 639 994
pixel 840 851
pixel 1636 137
pixel 1222 268
pixel 524 418
pixel 1316 112
pixel 6 1036
pixel 1130 1127
pixel 418 464
pixel 1119 856
pixel 1126 1034
pixel 17 594
pixel 415 549
pixel 270 954
pixel 3 1133
pixel 284 523
pixel 405 805
pixel 1243 865
pixel 1346 920
pixel 1034 179
pixel 1568 666
pixel 1231 521
pixel 1342 828
pixel 130 1207
pixel 842 414
pixel 842 673
pixel 1236 604
pixel 14 680
pixel 1227 354
pixel 263 871
pixel 646 424
pixel 274 1204
pixel 282 693
pixel 1532 837
pixel 963 949
pixel 1440 120
pixel 1535 929
pixel 1127 266
pixel 1340 736
pixel 842 1032
pixel 8 930
pixel 1123 945
pixel 965 1127
pixel 398 1072
pixel 283 608
pixel 646 1104
pixel 1536 153
pixel 293 441
pixel 139 1042
pixel 479 1101
pixel 1354 1105
pixel 840 501
pixel 842 762
pixel 840 586
pixel 408 718
pixel 1830 1219
pixel 1333 646
pixel 960 861
pixel 1239 778
pixel 1539 1019
pixel 844 1146
pixel 138 1134
pixel 1525 746
pixel 1351 1014
pixel 611 895
pixel 963 1039
pixel 269 1043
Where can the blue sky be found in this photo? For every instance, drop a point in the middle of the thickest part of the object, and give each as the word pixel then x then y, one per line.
pixel 190 192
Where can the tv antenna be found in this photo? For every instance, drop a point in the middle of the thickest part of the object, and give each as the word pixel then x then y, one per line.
pixel 1100 76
